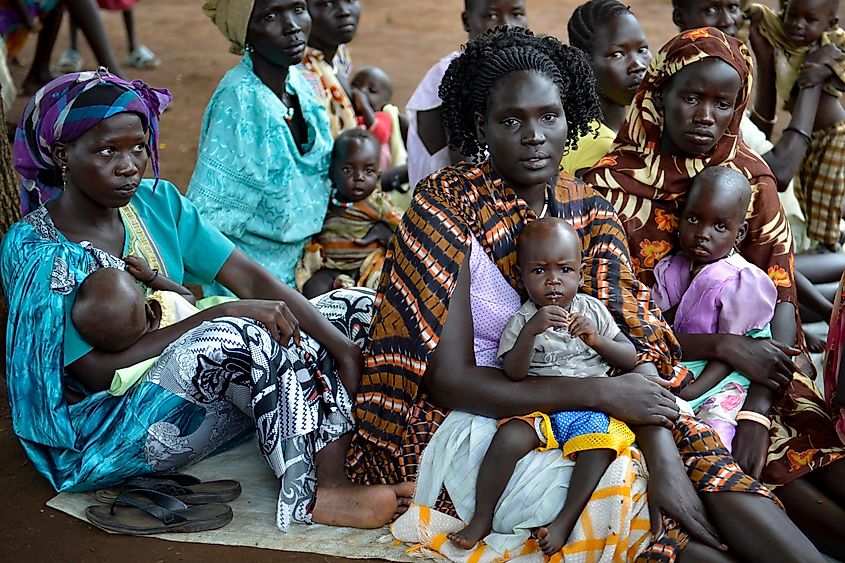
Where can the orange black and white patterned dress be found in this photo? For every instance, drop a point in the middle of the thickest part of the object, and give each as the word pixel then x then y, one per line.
pixel 648 188
pixel 396 420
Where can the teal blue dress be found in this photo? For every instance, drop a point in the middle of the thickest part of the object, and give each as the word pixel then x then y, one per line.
pixel 100 439
pixel 214 385
pixel 251 180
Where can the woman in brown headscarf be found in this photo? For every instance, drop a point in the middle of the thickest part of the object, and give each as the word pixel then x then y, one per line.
pixel 685 118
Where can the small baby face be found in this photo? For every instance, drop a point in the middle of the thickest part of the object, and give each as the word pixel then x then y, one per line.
pixel 804 21
pixel 550 267
pixel 355 169
pixel 375 84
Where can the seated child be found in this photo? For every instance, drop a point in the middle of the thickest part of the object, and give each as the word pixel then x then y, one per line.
pixel 710 288
pixel 111 312
pixel 360 220
pixel 562 333
pixel 372 90
pixel 806 45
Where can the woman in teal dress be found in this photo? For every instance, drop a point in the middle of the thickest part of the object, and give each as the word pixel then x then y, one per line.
pixel 263 162
pixel 238 368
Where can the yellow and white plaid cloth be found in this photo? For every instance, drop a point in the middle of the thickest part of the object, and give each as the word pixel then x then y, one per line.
pixel 613 528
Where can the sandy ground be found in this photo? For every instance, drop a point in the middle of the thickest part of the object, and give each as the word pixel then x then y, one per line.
pixel 404 37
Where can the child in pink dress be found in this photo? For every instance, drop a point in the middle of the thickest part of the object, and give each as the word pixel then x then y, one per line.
pixel 710 288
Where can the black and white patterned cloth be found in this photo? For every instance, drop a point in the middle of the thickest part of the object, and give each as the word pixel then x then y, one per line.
pixel 240 376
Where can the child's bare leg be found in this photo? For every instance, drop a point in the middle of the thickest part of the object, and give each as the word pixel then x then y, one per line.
pixel 39 73
pixel 512 441
pixel 589 468
pixel 129 22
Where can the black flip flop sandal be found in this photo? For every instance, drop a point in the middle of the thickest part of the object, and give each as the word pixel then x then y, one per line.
pixel 140 512
pixel 185 488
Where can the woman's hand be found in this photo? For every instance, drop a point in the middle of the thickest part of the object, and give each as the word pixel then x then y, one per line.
pixel 762 360
pixel 759 44
pixel 670 493
pixel 276 317
pixel 638 400
pixel 750 447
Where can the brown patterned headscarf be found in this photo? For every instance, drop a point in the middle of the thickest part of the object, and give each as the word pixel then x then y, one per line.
pixel 648 187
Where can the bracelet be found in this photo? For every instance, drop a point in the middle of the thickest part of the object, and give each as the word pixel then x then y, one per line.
pixel 756 114
pixel 760 419
pixel 804 134
pixel 152 279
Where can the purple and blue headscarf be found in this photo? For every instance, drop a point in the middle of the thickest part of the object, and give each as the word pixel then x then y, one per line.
pixel 60 113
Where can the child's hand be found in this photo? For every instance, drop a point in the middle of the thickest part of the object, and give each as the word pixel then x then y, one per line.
pixel 583 328
pixel 550 316
pixel 813 74
pixel 823 55
pixel 361 102
pixel 379 233
pixel 139 269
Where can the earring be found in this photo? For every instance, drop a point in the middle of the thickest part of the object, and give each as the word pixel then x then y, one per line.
pixel 64 175
pixel 248 48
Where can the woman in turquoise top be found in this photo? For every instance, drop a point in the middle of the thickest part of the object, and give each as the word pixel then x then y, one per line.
pixel 263 162
pixel 219 374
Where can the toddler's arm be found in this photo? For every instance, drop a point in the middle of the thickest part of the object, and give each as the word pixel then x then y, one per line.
pixel 517 360
pixel 713 373
pixel 363 107
pixel 142 272
pixel 619 351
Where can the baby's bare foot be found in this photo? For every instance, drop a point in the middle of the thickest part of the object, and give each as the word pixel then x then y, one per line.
pixel 471 535
pixel 551 538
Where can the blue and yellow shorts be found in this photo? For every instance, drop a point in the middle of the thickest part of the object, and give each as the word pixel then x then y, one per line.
pixel 577 431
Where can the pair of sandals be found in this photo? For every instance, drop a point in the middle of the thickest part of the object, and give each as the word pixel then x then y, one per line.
pixel 141 58
pixel 164 503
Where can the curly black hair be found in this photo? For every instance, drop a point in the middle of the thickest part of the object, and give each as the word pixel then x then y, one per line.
pixel 495 54
pixel 585 21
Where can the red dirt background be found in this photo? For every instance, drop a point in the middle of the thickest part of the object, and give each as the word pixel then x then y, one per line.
pixel 405 38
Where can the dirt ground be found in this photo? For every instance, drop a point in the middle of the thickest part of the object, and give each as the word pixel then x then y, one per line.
pixel 404 37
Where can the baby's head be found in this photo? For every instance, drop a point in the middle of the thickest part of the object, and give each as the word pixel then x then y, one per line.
pixel 804 21
pixel 713 220
pixel 110 310
pixel 374 83
pixel 355 165
pixel 549 261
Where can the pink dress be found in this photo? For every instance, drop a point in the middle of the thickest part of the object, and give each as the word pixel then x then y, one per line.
pixel 729 296
pixel 117 5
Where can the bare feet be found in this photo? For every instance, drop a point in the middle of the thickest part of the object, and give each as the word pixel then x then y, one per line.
pixel 360 506
pixel 472 534
pixel 551 538
pixel 814 344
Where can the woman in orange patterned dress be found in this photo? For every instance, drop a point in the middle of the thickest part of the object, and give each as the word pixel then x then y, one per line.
pixel 684 118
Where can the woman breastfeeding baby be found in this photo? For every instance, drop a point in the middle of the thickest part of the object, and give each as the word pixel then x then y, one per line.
pixel 278 368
